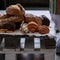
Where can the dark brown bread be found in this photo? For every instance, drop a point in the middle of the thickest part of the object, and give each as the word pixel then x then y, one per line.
pixel 10 26
pixel 45 20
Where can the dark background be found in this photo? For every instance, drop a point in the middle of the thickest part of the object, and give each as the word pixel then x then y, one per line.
pixel 25 3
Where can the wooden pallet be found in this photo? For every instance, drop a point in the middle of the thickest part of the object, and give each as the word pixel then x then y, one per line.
pixel 16 47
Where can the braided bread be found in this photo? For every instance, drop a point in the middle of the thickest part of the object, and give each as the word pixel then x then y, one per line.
pixel 32 26
pixel 43 29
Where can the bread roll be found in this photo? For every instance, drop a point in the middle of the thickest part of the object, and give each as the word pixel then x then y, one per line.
pixel 43 29
pixel 32 26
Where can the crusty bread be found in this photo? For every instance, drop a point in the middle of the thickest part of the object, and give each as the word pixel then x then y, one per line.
pixel 32 26
pixel 31 17
pixel 11 19
pixel 15 10
pixel 45 20
pixel 43 29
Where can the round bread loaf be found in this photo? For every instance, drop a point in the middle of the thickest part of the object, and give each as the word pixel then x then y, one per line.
pixel 45 20
pixel 16 10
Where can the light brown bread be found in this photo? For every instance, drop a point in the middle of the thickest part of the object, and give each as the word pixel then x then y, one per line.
pixel 43 29
pixel 31 17
pixel 32 26
pixel 15 10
